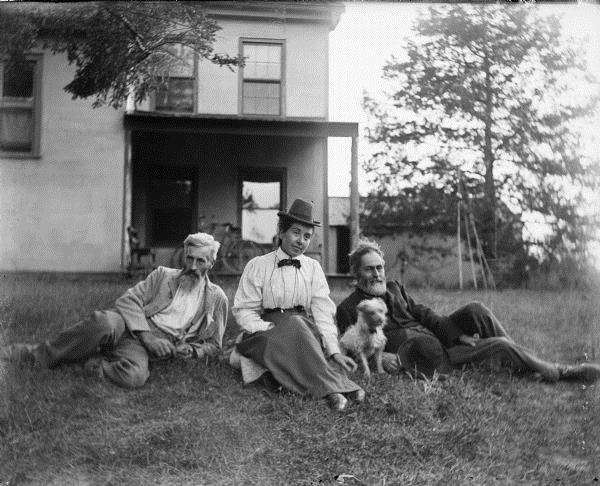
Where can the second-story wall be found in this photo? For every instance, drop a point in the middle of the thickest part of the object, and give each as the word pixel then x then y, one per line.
pixel 305 67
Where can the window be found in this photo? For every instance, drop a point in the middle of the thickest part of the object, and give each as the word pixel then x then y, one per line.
pixel 19 106
pixel 178 92
pixel 262 191
pixel 262 78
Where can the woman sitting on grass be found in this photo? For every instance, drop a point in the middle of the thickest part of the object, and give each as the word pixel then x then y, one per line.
pixel 282 304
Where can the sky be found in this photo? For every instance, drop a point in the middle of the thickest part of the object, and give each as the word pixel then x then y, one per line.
pixel 369 33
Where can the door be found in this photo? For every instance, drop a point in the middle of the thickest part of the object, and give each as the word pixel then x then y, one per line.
pixel 172 197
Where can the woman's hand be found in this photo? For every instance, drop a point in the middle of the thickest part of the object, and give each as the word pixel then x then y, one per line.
pixel 344 361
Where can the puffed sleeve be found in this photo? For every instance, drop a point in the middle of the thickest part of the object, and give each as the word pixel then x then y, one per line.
pixel 323 310
pixel 247 304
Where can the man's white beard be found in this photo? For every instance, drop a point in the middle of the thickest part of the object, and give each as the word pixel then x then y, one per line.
pixel 189 282
pixel 373 287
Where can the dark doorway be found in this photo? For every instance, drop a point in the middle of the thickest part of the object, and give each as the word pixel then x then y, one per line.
pixel 172 202
pixel 343 249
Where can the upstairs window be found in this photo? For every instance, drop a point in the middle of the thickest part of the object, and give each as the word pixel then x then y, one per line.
pixel 178 91
pixel 262 77
pixel 19 107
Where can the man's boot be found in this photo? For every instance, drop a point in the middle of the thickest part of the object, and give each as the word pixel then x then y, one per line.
pixel 93 367
pixel 587 372
pixel 19 353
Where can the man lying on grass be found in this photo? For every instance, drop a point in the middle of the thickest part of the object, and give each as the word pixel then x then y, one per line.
pixel 423 342
pixel 172 313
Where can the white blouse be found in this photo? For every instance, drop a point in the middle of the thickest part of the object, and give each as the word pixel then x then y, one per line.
pixel 263 285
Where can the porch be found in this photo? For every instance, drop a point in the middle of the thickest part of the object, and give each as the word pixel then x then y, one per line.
pixel 197 173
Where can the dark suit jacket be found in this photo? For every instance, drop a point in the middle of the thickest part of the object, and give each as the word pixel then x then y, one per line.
pixel 403 313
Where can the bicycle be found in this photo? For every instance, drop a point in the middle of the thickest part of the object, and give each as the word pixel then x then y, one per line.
pixel 234 253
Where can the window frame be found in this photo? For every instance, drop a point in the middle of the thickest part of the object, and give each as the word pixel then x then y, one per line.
pixel 282 78
pixel 36 109
pixel 195 81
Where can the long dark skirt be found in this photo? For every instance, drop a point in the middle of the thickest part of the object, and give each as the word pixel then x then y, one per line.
pixel 292 352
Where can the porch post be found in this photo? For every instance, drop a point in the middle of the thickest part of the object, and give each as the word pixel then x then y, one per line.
pixel 354 196
pixel 127 174
pixel 325 232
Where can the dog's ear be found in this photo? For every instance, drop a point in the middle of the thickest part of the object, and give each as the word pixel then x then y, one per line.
pixel 382 303
pixel 363 305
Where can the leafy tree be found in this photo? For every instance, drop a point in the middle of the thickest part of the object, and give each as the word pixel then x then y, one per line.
pixel 497 92
pixel 115 46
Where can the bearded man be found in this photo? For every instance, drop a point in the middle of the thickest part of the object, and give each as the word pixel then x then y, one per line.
pixel 172 313
pixel 423 342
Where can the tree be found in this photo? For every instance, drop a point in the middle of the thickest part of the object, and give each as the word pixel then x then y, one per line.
pixel 495 91
pixel 116 47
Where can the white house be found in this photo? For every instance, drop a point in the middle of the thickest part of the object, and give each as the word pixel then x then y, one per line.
pixel 217 146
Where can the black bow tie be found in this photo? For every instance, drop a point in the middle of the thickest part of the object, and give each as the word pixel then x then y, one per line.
pixel 289 261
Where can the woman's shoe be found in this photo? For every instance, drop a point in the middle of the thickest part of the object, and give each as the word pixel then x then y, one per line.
pixel 357 395
pixel 337 402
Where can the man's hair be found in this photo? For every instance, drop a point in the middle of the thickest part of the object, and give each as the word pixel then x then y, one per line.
pixel 363 247
pixel 203 239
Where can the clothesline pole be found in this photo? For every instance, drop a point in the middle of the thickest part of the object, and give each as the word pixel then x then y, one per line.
pixel 467 232
pixel 458 241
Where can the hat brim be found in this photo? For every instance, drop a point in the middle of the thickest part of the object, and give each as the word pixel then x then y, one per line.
pixel 282 214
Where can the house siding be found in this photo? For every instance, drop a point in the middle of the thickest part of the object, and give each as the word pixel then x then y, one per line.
pixel 63 210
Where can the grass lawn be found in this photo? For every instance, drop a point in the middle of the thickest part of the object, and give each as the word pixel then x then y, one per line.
pixel 193 423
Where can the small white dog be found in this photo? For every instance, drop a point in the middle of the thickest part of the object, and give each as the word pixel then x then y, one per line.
pixel 365 338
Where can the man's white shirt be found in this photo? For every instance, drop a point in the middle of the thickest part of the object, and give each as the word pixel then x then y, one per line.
pixel 178 315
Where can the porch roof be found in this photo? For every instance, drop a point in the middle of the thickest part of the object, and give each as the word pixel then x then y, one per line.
pixel 236 125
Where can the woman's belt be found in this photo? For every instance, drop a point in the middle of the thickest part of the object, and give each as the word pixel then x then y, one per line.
pixel 297 309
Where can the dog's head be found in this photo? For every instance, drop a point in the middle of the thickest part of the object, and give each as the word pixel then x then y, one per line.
pixel 373 311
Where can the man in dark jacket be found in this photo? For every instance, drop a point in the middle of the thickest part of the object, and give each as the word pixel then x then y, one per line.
pixel 423 342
